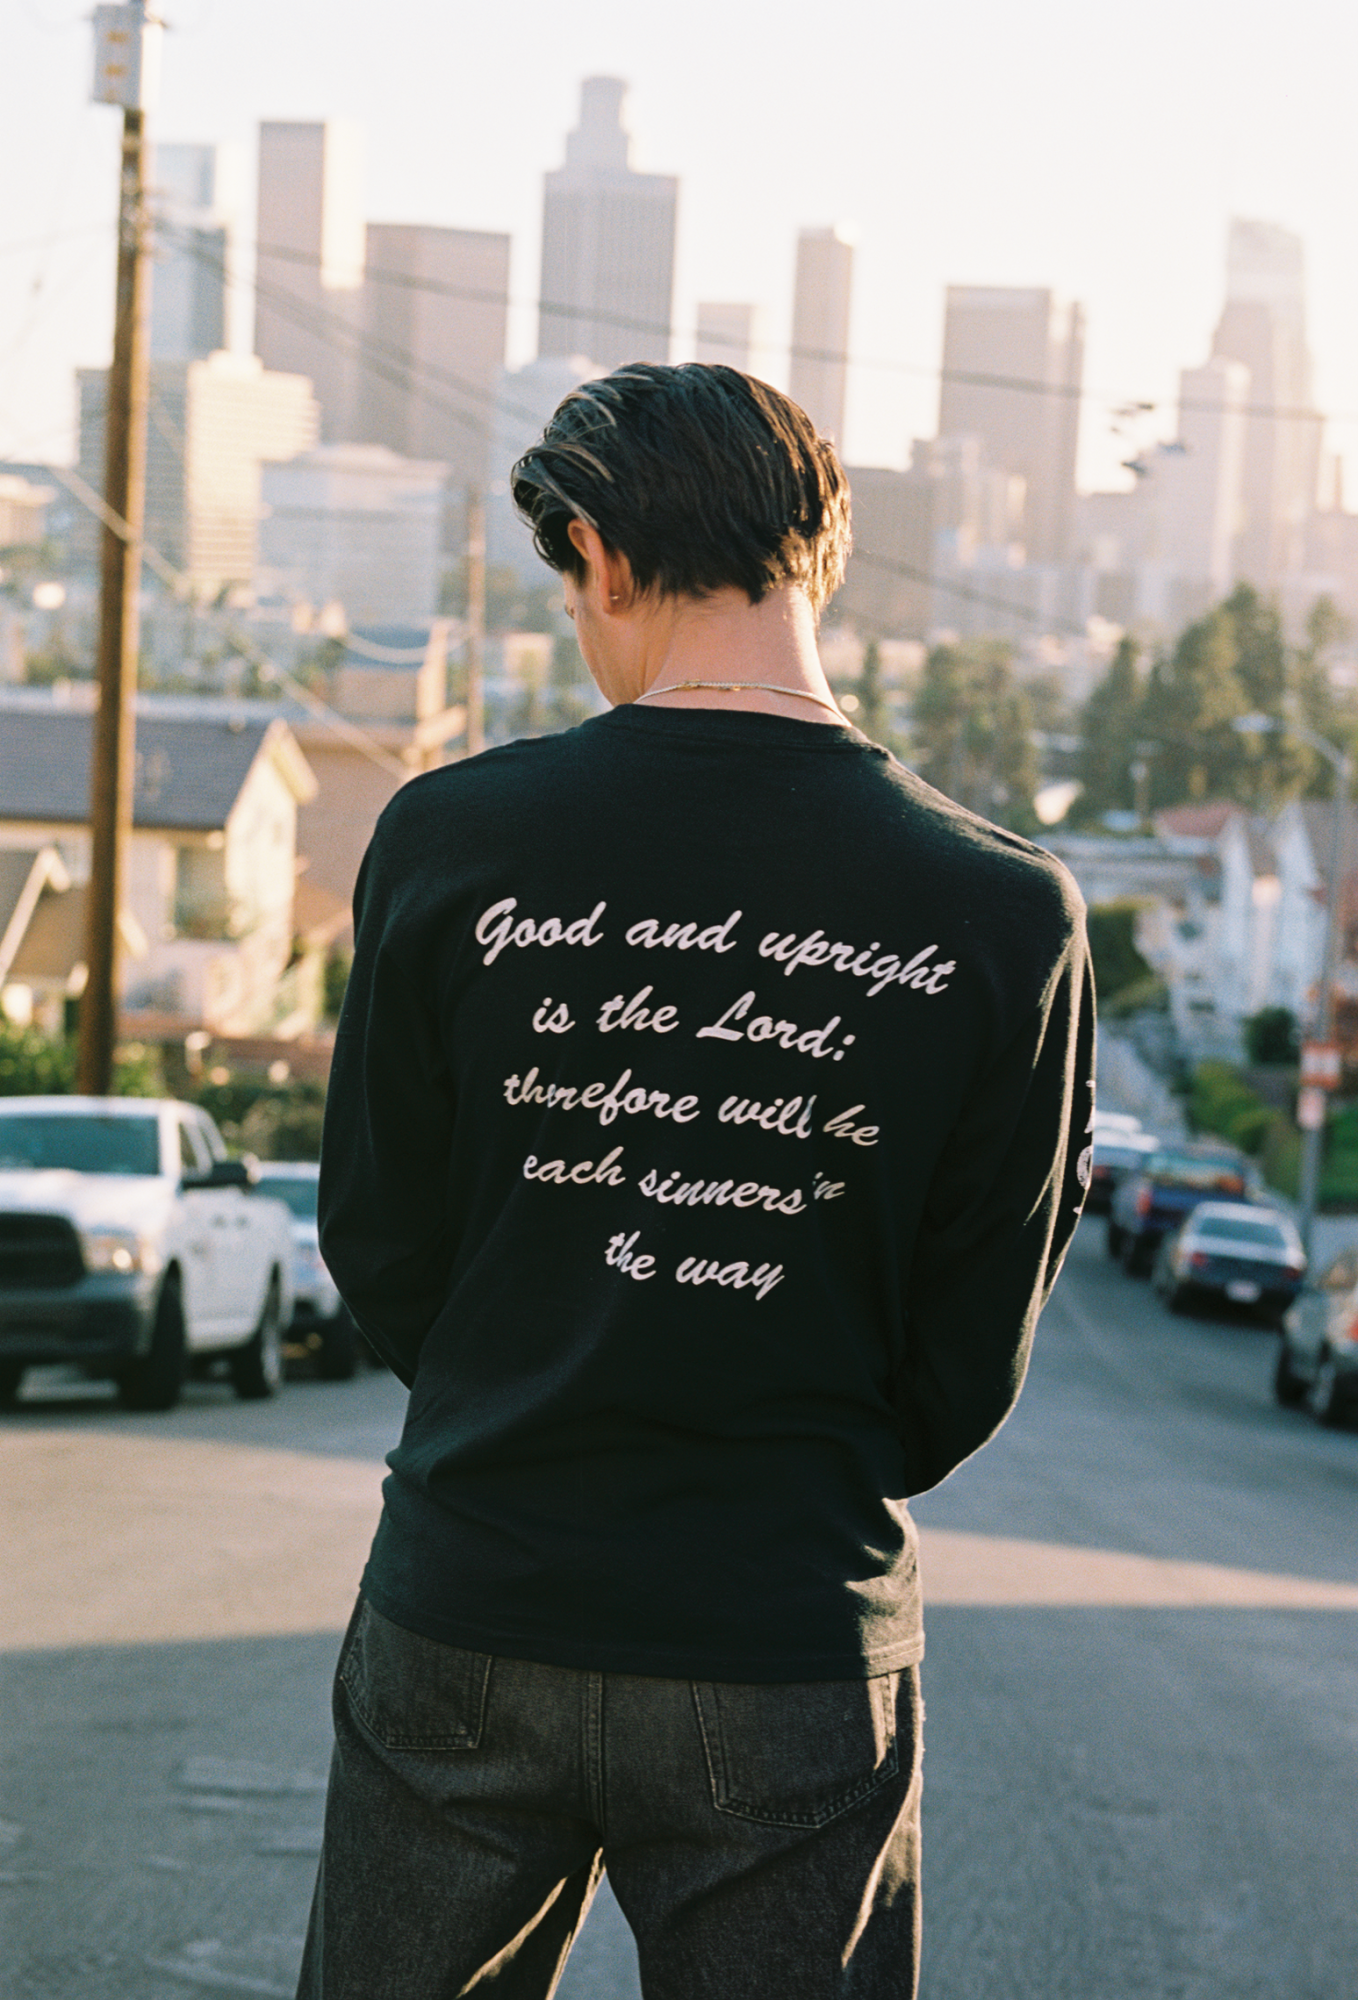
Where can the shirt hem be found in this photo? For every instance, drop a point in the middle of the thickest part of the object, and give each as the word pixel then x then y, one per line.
pixel 661 1662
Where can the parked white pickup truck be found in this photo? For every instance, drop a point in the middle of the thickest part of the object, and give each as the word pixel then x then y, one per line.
pixel 133 1248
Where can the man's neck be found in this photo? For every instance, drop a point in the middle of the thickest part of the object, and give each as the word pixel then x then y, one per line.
pixel 767 650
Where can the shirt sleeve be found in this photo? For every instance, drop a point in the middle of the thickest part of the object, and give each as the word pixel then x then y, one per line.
pixel 385 1229
pixel 1000 1214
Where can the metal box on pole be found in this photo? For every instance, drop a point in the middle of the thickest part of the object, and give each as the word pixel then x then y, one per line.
pixel 126 57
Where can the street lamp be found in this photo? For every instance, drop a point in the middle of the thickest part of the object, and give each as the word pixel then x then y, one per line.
pixel 1342 764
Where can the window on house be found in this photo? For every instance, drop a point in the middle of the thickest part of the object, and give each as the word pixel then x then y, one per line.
pixel 201 905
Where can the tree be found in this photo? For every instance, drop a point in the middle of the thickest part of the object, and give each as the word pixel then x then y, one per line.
pixel 1326 630
pixel 1191 697
pixel 1275 766
pixel 1110 725
pixel 973 732
pixel 871 716
pixel 567 700
pixel 1261 657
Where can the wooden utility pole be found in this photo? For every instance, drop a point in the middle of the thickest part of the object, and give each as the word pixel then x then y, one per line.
pixel 476 621
pixel 123 61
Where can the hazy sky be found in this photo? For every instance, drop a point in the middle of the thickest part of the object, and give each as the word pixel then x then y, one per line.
pixel 1093 147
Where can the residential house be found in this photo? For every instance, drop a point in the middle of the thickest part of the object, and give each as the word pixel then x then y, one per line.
pixel 1303 839
pixel 210 874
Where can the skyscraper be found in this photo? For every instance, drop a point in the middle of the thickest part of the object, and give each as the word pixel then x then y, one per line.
pixel 309 269
pixel 607 243
pixel 214 423
pixel 435 309
pixel 1201 485
pixel 1028 420
pixel 196 197
pixel 819 372
pixel 725 334
pixel 1263 324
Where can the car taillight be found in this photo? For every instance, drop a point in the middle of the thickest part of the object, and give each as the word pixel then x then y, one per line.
pixel 1199 1260
pixel 1143 1201
pixel 1350 1339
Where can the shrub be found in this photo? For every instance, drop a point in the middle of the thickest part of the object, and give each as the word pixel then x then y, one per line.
pixel 33 1065
pixel 36 1065
pixel 334 980
pixel 278 1121
pixel 1271 1036
pixel 1122 976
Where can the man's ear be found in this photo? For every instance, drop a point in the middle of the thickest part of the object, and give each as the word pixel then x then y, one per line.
pixel 609 568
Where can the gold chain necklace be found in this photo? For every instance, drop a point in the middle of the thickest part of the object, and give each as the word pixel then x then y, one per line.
pixel 739 687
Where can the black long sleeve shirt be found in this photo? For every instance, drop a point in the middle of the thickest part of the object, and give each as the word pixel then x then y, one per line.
pixel 704 1138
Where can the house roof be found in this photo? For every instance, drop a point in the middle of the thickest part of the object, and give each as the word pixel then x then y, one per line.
pixel 54 943
pixel 1195 822
pixel 190 769
pixel 29 876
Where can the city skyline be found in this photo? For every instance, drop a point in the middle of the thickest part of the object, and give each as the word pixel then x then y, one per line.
pixel 1081 170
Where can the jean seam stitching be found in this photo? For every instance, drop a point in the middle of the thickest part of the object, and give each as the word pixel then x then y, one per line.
pixel 594 1705
pixel 724 1801
pixel 716 1778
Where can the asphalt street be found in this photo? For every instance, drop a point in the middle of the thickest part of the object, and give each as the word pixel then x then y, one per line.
pixel 1142 1680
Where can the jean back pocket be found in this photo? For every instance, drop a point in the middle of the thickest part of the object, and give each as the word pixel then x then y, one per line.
pixel 797 1754
pixel 410 1692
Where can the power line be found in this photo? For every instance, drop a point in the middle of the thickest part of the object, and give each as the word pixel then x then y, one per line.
pixel 269 669
pixel 967 595
pixel 964 377
pixel 383 358
pixel 404 369
pixel 398 365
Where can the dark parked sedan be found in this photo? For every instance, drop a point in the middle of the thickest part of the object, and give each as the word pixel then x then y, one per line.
pixel 1231 1252
pixel 1318 1356
pixel 1150 1204
pixel 1116 1154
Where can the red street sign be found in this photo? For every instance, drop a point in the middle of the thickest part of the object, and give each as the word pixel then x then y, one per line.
pixel 1320 1065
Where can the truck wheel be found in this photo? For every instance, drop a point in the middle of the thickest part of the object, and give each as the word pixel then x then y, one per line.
pixel 1136 1256
pixel 257 1368
pixel 337 1357
pixel 155 1379
pixel 11 1375
pixel 1328 1403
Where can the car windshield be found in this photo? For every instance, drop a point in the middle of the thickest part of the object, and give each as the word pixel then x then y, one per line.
pixel 299 1192
pixel 1239 1229
pixel 82 1141
pixel 1187 1170
pixel 1111 1153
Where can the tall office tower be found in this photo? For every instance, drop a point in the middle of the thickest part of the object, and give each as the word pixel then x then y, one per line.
pixel 607 243
pixel 309 262
pixel 1031 428
pixel 1263 324
pixel 197 194
pixel 525 399
pixel 214 423
pixel 819 374
pixel 357 524
pixel 1196 492
pixel 726 335
pixel 436 303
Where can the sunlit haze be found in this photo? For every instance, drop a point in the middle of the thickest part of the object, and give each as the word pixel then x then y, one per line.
pixel 1085 148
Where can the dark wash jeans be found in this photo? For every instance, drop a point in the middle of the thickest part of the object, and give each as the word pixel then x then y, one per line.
pixel 762 1839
